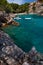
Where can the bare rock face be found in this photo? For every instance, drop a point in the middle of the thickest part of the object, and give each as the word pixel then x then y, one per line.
pixel 10 54
pixel 39 7
pixel 36 7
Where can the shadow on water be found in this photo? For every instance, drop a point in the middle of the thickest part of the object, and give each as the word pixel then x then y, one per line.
pixel 28 45
pixel 25 45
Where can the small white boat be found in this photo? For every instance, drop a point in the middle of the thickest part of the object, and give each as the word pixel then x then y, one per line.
pixel 17 18
pixel 28 18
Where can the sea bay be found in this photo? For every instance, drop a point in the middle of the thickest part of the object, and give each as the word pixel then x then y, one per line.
pixel 29 33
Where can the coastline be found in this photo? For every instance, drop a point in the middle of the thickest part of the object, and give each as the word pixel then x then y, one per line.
pixel 14 15
pixel 21 41
pixel 2 34
pixel 10 19
pixel 13 55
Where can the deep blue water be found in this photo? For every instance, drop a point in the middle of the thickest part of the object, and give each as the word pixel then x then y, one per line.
pixel 29 33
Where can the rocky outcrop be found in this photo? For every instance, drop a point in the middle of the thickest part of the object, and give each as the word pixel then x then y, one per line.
pixel 39 7
pixel 3 21
pixel 36 7
pixel 32 7
pixel 10 54
pixel 7 20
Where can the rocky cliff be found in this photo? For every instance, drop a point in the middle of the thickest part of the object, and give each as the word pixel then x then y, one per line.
pixel 10 54
pixel 39 8
pixel 36 7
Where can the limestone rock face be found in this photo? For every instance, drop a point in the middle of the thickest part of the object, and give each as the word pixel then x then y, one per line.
pixel 36 7
pixel 39 7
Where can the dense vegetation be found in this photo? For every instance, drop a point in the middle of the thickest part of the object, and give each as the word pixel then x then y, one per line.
pixel 11 7
pixel 15 8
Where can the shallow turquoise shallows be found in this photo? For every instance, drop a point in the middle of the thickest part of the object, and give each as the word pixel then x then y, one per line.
pixel 29 33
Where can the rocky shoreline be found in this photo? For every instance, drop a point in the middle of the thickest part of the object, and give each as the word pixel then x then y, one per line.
pixel 10 54
pixel 8 50
pixel 7 20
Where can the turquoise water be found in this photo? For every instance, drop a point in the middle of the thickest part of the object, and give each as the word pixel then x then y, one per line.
pixel 29 33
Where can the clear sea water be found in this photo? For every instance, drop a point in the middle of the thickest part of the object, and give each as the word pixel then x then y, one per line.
pixel 29 33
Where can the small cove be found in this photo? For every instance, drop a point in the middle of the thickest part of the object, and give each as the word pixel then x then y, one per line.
pixel 29 33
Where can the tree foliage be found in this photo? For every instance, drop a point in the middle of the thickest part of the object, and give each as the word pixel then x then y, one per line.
pixel 12 7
